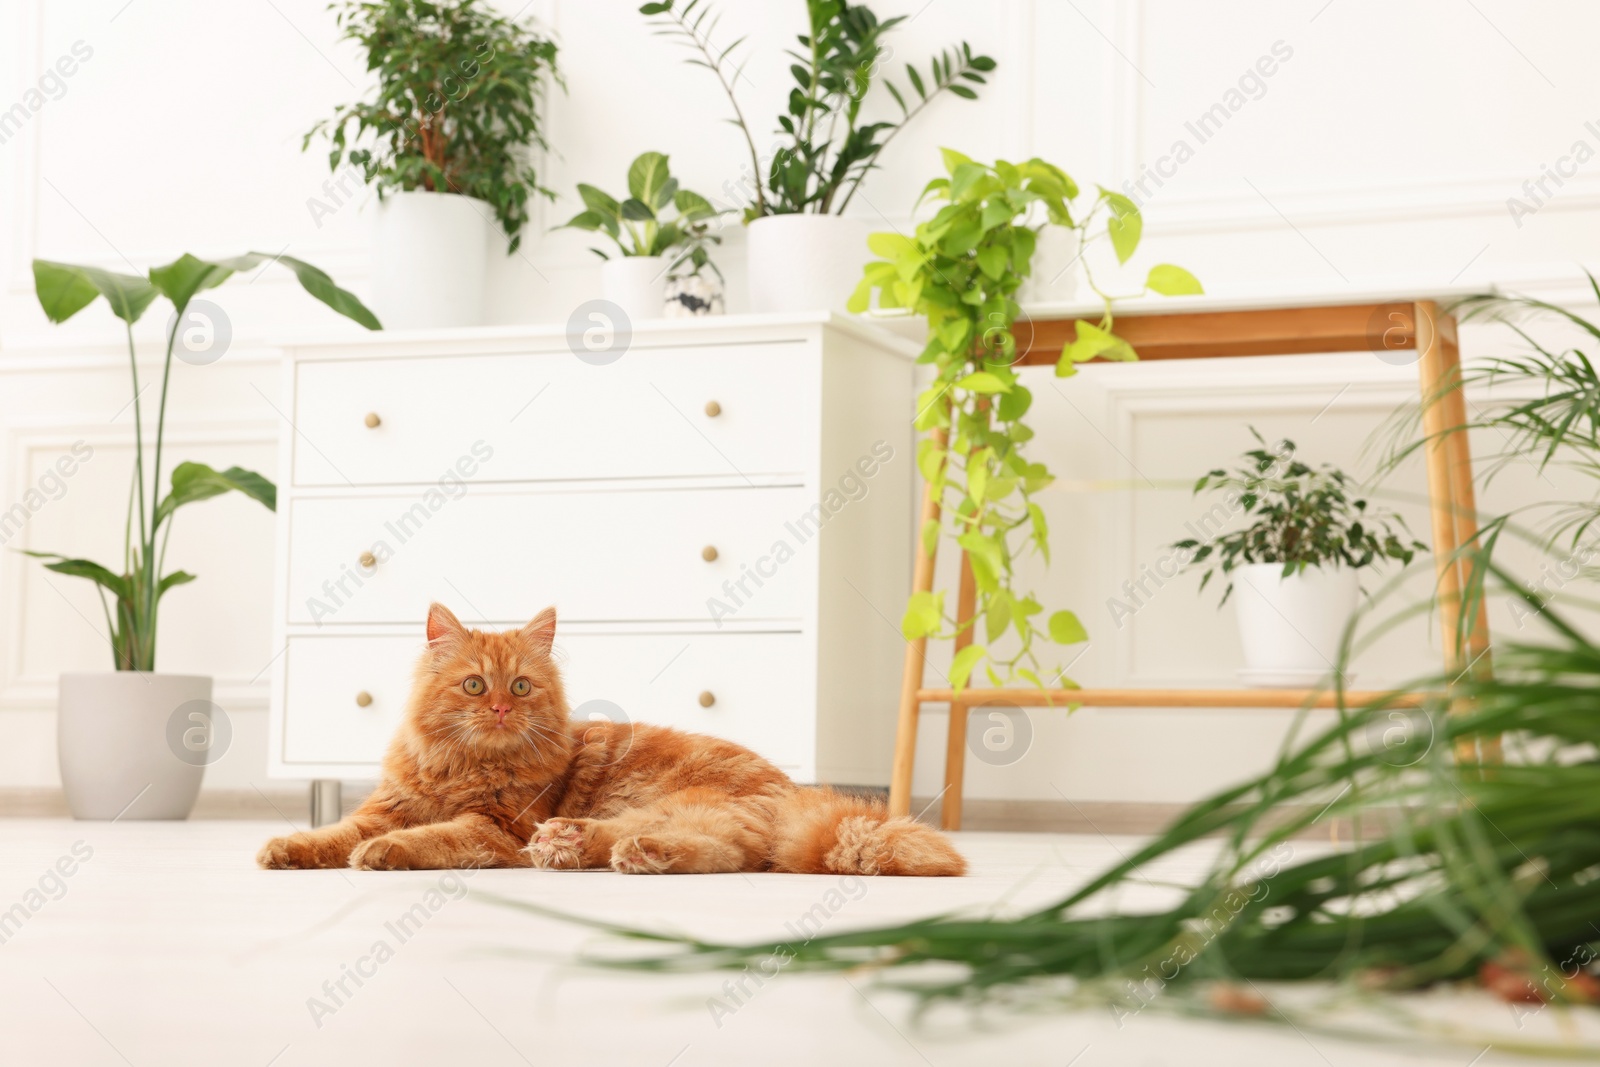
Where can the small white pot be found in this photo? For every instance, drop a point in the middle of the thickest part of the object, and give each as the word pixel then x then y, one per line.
pixel 430 260
pixel 805 262
pixel 119 735
pixel 636 284
pixel 1290 628
pixel 1053 278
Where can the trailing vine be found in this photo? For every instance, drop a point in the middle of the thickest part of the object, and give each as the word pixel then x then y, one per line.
pixel 961 270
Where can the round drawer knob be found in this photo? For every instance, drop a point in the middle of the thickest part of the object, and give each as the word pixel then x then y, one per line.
pixel 367 560
pixel 713 409
pixel 372 420
pixel 709 553
pixel 363 699
pixel 707 699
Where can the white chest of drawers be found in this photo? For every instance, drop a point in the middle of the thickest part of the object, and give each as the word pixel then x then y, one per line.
pixel 722 518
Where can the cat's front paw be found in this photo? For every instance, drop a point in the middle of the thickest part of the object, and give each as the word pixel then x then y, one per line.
pixel 386 853
pixel 295 852
pixel 557 844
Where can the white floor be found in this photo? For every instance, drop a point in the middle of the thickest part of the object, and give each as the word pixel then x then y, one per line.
pixel 166 947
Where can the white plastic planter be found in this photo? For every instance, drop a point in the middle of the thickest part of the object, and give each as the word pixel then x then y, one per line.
pixel 805 262
pixel 430 260
pixel 119 735
pixel 636 284
pixel 1290 628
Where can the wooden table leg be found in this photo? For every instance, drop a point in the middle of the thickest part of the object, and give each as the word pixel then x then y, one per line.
pixel 1439 377
pixel 905 737
pixel 955 746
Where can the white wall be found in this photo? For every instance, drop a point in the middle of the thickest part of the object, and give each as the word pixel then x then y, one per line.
pixel 1381 152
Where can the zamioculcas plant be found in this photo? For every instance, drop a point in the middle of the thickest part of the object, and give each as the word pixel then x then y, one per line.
pixel 458 105
pixel 961 270
pixel 139 583
pixel 637 224
pixel 826 148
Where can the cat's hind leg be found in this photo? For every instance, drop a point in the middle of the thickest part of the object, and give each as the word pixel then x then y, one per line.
pixel 693 831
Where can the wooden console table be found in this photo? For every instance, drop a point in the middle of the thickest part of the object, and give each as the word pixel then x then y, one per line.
pixel 1208 329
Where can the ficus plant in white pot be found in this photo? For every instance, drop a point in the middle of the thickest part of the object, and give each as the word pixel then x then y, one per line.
pixel 805 253
pixel 660 231
pixel 1296 564
pixel 446 141
pixel 123 736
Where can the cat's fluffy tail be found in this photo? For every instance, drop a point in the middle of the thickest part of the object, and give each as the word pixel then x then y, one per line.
pixel 823 832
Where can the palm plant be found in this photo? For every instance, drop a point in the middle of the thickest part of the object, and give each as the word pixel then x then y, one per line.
pixel 141 580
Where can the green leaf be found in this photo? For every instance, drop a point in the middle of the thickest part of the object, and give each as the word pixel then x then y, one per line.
pixel 961 666
pixel 1092 342
pixel 982 382
pixel 924 615
pixel 692 207
pixel 599 201
pixel 1065 629
pixel 635 210
pixel 1125 231
pixel 998 617
pixel 187 275
pixel 992 260
pixel 176 578
pixel 193 482
pixel 648 177
pixel 1169 280
pixel 115 584
pixel 657 8
pixel 953 159
pixel 930 459
pixel 64 290
pixel 930 537
pixel 585 220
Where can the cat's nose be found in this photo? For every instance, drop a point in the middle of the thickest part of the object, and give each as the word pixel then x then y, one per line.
pixel 502 710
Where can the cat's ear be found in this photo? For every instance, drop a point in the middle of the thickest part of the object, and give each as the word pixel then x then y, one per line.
pixel 443 626
pixel 541 632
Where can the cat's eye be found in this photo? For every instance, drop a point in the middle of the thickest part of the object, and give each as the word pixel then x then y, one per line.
pixel 522 687
pixel 474 686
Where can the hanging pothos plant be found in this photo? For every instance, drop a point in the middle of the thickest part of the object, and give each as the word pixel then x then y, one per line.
pixel 962 270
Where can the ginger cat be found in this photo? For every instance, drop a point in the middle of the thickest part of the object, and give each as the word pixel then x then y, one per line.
pixel 488 771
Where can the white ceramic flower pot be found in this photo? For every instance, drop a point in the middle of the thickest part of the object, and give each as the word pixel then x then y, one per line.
pixel 116 733
pixel 1055 268
pixel 636 284
pixel 430 260
pixel 805 262
pixel 1290 628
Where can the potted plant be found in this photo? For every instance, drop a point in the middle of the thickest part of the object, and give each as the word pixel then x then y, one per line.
pixel 804 253
pixel 650 246
pixel 444 141
pixel 116 731
pixel 961 269
pixel 1296 565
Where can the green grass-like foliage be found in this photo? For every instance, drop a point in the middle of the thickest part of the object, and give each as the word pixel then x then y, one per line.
pixel 1477 864
pixel 1300 516
pixel 458 105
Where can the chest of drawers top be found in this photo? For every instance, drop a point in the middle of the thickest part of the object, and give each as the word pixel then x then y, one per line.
pixel 726 397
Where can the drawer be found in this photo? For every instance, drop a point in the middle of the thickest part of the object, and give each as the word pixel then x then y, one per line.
pixel 762 696
pixel 552 416
pixel 597 555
